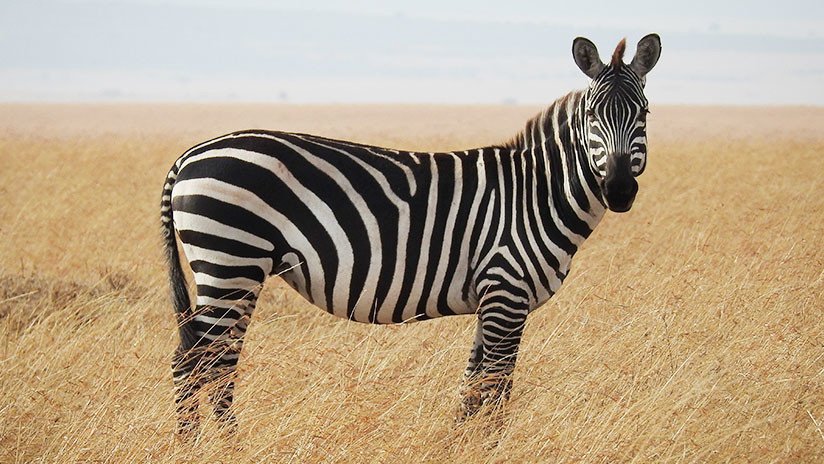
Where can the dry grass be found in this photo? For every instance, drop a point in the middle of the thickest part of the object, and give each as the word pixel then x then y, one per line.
pixel 690 329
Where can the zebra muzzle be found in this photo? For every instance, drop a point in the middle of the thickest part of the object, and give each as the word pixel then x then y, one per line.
pixel 620 186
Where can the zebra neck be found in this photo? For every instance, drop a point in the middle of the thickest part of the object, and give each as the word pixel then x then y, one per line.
pixel 556 141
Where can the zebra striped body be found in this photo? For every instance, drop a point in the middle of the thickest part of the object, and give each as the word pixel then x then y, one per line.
pixel 376 241
pixel 380 236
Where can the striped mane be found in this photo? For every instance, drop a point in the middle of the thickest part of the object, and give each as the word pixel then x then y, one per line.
pixel 618 54
pixel 522 140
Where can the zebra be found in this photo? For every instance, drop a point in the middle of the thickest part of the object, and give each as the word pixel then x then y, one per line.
pixel 385 236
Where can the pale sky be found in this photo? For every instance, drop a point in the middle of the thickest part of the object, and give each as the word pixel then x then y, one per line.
pixel 427 51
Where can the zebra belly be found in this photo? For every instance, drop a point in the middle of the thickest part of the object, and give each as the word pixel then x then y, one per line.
pixel 383 314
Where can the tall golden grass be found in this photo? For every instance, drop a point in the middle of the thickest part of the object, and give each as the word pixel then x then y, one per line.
pixel 690 329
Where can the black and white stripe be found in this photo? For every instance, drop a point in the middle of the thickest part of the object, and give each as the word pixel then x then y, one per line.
pixel 385 236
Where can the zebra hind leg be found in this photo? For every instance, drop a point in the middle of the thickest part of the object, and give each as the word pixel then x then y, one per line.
pixel 220 320
pixel 225 369
pixel 186 386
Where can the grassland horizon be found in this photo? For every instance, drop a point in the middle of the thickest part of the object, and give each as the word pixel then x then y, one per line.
pixel 689 330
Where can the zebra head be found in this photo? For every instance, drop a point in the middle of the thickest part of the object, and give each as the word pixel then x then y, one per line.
pixel 615 114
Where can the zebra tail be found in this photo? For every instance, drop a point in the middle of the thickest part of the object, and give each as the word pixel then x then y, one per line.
pixel 177 280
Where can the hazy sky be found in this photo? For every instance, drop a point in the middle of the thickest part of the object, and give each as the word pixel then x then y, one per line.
pixel 439 51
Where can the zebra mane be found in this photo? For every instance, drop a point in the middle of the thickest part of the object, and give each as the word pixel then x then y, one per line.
pixel 521 140
pixel 618 54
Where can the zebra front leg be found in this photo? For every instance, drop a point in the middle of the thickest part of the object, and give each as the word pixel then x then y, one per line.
pixel 470 394
pixel 488 376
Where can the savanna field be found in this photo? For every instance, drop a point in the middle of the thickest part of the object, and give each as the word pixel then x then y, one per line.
pixel 690 329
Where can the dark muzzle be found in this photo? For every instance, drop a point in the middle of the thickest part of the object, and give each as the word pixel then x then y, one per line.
pixel 620 185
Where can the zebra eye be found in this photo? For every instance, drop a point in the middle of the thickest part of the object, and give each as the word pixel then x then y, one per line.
pixel 591 114
pixel 643 115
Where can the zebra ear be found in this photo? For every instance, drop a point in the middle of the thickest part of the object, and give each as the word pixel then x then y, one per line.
pixel 646 55
pixel 586 57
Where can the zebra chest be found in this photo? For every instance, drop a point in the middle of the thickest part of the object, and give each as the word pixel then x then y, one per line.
pixel 543 278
